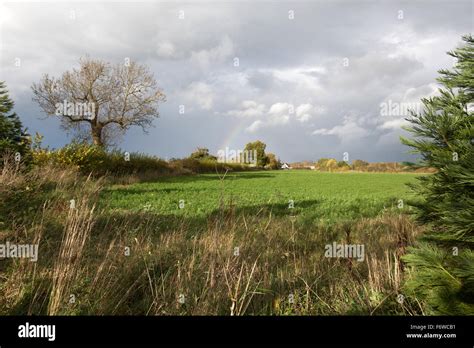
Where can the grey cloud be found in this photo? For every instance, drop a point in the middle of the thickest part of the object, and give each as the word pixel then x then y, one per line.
pixel 281 61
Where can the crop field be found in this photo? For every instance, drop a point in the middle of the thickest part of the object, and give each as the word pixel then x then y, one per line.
pixel 251 243
pixel 327 197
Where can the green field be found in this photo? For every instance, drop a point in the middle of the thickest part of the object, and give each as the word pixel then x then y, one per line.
pixel 234 248
pixel 324 196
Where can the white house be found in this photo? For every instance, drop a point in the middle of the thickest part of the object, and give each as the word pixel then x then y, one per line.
pixel 285 166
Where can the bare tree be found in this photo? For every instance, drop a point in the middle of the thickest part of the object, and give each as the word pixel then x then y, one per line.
pixel 103 97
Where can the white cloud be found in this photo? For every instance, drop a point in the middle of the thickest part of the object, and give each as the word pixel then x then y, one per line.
pixel 395 124
pixel 200 94
pixel 249 108
pixel 278 114
pixel 278 119
pixel 256 125
pixel 249 104
pixel 280 108
pixel 165 49
pixel 281 113
pixel 349 130
pixel 404 41
pixel 301 78
pixel 305 112
pixel 207 57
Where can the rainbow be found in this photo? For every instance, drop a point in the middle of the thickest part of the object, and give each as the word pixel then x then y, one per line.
pixel 233 133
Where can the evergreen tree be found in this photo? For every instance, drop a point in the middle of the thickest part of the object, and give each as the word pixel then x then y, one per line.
pixel 442 263
pixel 13 138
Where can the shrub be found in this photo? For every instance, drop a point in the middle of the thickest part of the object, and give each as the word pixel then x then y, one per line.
pixel 331 164
pixel 273 162
pixel 191 165
pixel 343 166
pixel 202 153
pixel 93 159
pixel 359 164
pixel 137 163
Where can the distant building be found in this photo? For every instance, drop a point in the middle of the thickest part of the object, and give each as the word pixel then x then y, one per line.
pixel 285 166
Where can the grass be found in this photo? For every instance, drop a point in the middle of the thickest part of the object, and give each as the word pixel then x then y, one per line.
pixel 234 249
pixel 329 197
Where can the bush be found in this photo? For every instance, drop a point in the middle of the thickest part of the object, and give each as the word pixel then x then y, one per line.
pixel 202 153
pixel 137 163
pixel 359 164
pixel 91 159
pixel 343 166
pixel 94 159
pixel 273 162
pixel 192 165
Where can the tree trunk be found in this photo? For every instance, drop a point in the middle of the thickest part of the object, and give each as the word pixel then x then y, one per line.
pixel 97 135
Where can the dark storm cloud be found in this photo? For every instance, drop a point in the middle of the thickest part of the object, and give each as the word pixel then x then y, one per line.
pixel 309 86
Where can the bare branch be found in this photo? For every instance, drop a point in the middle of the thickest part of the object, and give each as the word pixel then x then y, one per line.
pixel 119 95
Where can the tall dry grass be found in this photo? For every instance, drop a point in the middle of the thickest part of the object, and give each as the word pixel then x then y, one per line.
pixel 35 209
pixel 66 270
pixel 110 263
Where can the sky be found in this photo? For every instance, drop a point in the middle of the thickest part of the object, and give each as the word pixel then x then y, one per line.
pixel 311 79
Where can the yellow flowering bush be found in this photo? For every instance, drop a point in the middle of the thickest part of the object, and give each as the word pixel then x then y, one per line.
pixel 93 159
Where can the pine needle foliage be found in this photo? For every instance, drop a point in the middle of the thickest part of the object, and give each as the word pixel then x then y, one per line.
pixel 441 266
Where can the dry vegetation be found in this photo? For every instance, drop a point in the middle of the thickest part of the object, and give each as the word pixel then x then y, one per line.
pixel 279 267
